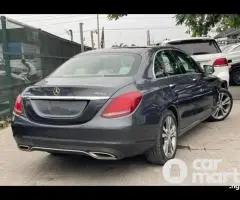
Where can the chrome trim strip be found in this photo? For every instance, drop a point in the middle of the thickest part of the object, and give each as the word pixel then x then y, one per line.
pixel 53 149
pixel 67 97
pixel 91 154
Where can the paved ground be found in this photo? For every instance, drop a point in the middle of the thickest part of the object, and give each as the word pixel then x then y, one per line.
pixel 208 140
pixel 235 90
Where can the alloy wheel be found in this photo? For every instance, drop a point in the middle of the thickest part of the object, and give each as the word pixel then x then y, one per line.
pixel 169 136
pixel 223 106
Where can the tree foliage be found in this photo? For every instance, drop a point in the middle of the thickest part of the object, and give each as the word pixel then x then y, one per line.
pixel 115 16
pixel 201 24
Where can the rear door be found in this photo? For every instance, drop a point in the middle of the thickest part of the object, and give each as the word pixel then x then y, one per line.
pixel 201 88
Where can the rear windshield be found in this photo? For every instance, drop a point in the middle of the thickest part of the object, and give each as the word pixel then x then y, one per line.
pixel 197 47
pixel 104 64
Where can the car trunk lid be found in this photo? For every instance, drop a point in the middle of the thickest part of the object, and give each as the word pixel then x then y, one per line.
pixel 69 101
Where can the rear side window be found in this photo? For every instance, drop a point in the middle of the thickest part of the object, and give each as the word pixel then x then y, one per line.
pixel 185 62
pixel 197 47
pixel 165 64
pixel 158 66
pixel 104 64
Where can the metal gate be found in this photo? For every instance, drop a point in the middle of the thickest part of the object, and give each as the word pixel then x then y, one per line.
pixel 27 55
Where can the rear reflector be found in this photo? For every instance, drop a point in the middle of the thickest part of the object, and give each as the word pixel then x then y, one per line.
pixel 220 62
pixel 123 105
pixel 18 108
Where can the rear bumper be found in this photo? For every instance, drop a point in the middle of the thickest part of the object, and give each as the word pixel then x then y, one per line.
pixel 223 73
pixel 117 141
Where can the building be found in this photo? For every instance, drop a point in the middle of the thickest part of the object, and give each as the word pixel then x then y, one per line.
pixel 229 36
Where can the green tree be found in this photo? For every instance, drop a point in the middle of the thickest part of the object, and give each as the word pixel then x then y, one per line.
pixel 201 24
pixel 115 16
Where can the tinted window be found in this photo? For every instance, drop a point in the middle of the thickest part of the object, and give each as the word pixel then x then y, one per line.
pixel 168 62
pixel 185 62
pixel 197 47
pixel 99 65
pixel 158 66
pixel 165 64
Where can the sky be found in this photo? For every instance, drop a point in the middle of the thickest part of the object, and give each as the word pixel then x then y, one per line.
pixel 131 29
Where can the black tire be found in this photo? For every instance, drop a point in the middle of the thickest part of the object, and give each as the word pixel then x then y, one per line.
pixel 156 154
pixel 235 77
pixel 225 91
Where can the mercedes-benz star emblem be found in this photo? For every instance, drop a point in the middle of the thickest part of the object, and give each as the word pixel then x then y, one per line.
pixel 56 91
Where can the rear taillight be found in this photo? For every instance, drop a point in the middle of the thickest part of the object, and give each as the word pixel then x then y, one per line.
pixel 18 108
pixel 220 62
pixel 123 105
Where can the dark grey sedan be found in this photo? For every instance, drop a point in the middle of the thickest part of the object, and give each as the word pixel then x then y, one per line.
pixel 116 103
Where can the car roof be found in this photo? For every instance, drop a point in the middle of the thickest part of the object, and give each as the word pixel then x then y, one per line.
pixel 136 50
pixel 232 46
pixel 188 39
pixel 235 45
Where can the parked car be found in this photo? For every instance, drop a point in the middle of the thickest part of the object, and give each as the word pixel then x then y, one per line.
pixel 233 54
pixel 206 52
pixel 225 47
pixel 115 103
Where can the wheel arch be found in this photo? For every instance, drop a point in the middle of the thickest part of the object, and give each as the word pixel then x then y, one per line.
pixel 174 110
pixel 224 84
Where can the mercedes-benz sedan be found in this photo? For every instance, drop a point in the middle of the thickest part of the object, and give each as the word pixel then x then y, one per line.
pixel 116 103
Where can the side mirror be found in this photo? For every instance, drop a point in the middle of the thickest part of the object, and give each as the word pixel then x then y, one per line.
pixel 208 69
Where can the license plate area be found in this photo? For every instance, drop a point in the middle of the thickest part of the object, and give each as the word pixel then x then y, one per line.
pixel 56 109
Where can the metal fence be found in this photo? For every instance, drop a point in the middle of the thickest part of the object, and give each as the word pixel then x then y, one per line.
pixel 27 55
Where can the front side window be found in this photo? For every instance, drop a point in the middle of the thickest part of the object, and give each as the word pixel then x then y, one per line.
pixel 105 64
pixel 185 62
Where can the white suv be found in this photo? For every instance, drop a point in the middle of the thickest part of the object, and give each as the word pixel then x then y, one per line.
pixel 205 51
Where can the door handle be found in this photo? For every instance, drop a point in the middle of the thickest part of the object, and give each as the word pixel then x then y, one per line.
pixel 172 85
pixel 194 79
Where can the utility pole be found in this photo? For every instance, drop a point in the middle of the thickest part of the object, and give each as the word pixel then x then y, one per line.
pixel 71 34
pixel 81 37
pixel 92 40
pixel 98 31
pixel 103 39
pixel 148 38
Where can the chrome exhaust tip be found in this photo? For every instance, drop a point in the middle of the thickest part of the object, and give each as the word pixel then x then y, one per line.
pixel 102 156
pixel 25 148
